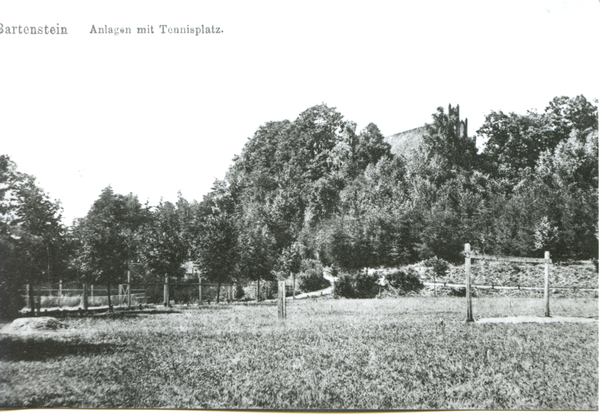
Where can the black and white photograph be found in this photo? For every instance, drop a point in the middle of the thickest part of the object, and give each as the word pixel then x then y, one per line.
pixel 299 206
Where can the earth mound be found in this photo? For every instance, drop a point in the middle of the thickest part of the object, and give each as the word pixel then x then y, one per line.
pixel 34 323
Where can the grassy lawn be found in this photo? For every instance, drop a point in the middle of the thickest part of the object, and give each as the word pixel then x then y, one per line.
pixel 409 353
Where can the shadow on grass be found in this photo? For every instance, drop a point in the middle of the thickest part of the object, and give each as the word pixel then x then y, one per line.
pixel 40 349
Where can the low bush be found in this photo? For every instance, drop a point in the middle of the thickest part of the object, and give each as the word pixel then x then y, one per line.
pixel 405 280
pixel 460 292
pixel 239 292
pixel 311 276
pixel 344 286
pixel 366 285
pixel 358 285
pixel 440 267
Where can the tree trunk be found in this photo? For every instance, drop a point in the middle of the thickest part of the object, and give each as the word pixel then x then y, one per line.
pixel 31 299
pixel 109 302
pixel 218 292
pixel 258 290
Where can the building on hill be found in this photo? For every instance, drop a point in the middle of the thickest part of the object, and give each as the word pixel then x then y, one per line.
pixel 407 141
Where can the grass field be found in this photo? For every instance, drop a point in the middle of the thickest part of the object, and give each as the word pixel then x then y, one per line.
pixel 407 353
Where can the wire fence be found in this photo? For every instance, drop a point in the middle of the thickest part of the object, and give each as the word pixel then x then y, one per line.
pixel 500 287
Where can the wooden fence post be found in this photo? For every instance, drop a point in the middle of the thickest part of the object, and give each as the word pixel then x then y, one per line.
pixel 281 309
pixel 199 289
pixel 38 303
pixel 468 282
pixel 547 283
pixel 293 285
pixel 128 289
pixel 166 298
pixel 59 293
pixel 85 297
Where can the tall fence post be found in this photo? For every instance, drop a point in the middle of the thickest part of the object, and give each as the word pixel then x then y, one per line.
pixel 85 297
pixel 199 289
pixel 547 283
pixel 59 293
pixel 281 291
pixel 38 302
pixel 293 285
pixel 468 282
pixel 166 298
pixel 128 289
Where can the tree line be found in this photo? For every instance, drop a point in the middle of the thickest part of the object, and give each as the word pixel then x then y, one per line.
pixel 316 192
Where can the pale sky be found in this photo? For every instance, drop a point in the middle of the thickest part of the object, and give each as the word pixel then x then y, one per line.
pixel 157 114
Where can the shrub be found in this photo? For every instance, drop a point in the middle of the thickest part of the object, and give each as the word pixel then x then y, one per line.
pixel 359 285
pixel 366 285
pixel 344 286
pixel 439 266
pixel 461 292
pixel 405 280
pixel 239 292
pixel 311 276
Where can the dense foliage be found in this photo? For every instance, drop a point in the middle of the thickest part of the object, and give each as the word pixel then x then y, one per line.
pixel 33 241
pixel 404 280
pixel 356 284
pixel 440 267
pixel 107 238
pixel 316 189
pixel 311 276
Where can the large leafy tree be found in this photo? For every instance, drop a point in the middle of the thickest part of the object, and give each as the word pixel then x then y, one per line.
pixel 32 236
pixel 514 142
pixel 215 243
pixel 107 238
pixel 288 181
pixel 567 114
pixel 547 166
pixel 163 243
pixel 566 180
